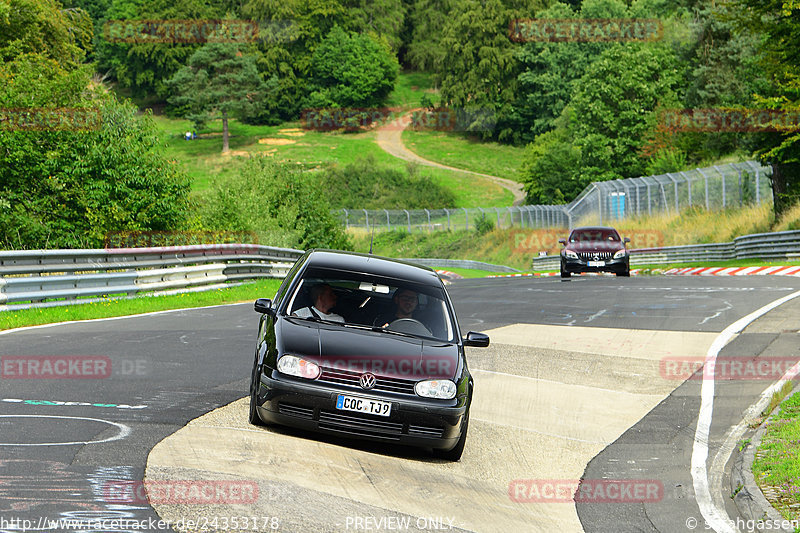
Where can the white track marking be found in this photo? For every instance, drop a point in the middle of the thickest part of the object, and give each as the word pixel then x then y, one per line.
pixel 124 431
pixel 715 517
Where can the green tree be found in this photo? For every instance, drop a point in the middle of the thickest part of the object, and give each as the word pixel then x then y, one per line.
pixel 70 187
pixel 219 80
pixel 43 27
pixel 350 70
pixel 479 69
pixel 779 23
pixel 426 20
pixel 143 67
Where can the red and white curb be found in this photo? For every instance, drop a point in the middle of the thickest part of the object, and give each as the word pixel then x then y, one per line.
pixel 735 271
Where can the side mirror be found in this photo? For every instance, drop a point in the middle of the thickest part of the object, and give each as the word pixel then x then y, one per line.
pixel 478 340
pixel 627 240
pixel 264 306
pixel 562 241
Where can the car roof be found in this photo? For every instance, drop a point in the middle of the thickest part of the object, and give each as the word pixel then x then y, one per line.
pixel 594 228
pixel 373 264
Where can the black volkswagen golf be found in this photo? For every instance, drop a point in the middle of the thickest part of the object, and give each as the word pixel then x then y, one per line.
pixel 367 347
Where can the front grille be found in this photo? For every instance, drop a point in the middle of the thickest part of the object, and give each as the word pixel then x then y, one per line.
pixel 595 256
pixel 297 411
pixel 425 431
pixel 359 424
pixel 350 378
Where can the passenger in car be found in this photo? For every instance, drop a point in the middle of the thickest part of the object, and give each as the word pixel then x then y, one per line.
pixel 324 299
pixel 405 302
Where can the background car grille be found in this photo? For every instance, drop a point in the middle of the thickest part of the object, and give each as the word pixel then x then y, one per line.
pixel 350 378
pixel 594 256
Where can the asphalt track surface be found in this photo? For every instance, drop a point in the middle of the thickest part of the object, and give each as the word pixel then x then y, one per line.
pixel 66 444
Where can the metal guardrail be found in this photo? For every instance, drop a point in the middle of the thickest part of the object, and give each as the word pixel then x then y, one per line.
pixel 38 275
pixel 461 263
pixel 767 246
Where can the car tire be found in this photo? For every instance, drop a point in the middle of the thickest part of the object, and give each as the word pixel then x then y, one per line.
pixel 625 274
pixel 252 416
pixel 565 274
pixel 455 454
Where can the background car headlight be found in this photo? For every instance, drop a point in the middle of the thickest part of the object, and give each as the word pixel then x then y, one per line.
pixel 620 254
pixel 294 366
pixel 442 389
pixel 570 253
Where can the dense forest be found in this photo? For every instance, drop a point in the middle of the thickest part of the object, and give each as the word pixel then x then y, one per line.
pixel 587 110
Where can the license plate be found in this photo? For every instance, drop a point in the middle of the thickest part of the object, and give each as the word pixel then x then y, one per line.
pixel 596 263
pixel 363 405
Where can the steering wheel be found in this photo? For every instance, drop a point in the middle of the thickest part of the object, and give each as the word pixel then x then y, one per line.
pixel 410 326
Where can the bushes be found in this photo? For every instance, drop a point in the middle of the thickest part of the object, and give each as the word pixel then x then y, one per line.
pixel 280 204
pixel 365 184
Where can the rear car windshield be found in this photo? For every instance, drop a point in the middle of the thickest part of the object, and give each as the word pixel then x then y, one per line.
pixel 369 301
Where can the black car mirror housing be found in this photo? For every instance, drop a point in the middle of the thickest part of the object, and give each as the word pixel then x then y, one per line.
pixel 477 340
pixel 264 306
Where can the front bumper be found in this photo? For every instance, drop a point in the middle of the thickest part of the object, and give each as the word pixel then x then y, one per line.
pixel 576 266
pixel 311 406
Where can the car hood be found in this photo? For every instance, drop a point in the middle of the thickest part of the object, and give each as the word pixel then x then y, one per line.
pixel 595 246
pixel 357 350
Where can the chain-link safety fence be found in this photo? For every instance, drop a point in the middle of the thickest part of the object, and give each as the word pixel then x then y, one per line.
pixel 729 185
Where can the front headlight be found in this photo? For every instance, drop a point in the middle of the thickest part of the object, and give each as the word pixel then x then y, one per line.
pixel 294 366
pixel 620 254
pixel 571 254
pixel 441 389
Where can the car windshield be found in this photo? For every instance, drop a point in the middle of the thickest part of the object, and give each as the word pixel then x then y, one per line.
pixel 366 301
pixel 594 235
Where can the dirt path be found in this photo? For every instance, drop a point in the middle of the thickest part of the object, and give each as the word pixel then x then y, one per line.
pixel 389 138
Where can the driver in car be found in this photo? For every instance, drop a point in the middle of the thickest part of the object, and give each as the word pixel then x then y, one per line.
pixel 324 300
pixel 405 302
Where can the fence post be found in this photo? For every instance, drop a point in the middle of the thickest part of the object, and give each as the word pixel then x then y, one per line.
pixel 496 210
pixel 388 225
pixel 675 182
pixel 689 185
pixel 466 218
pixel 741 191
pixel 723 185
pixel 346 221
pixel 367 216
pixel 429 220
pixel 408 219
pixel 706 178
pixel 448 218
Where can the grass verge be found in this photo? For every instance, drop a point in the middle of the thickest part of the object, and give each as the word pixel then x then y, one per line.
pixel 776 468
pixel 145 304
pixel 461 151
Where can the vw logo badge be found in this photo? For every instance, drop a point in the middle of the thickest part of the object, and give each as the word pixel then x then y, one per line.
pixel 367 381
